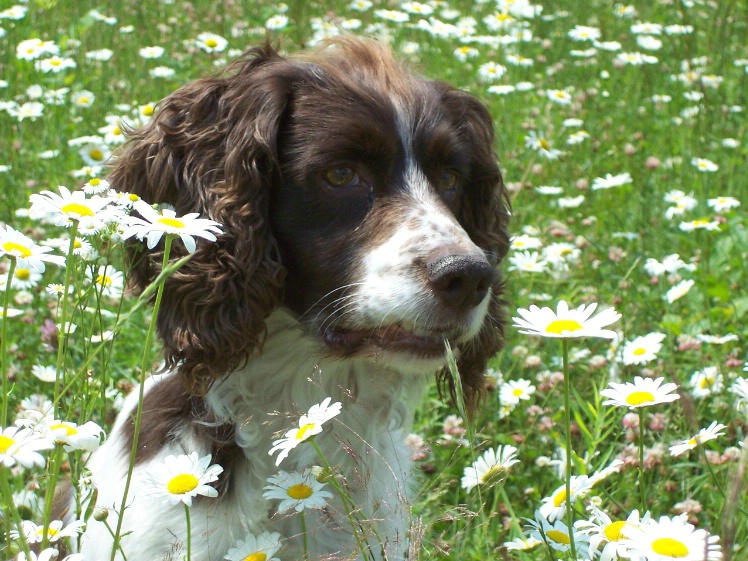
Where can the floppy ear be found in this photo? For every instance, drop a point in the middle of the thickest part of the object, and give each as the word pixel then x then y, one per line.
pixel 485 216
pixel 211 149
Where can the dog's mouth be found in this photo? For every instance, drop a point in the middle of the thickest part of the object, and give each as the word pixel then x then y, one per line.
pixel 393 338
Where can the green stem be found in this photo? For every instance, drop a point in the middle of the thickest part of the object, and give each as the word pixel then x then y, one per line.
pixel 55 460
pixel 304 536
pixel 567 429
pixel 4 341
pixel 10 504
pixel 141 394
pixel 189 533
pixel 642 490
pixel 63 336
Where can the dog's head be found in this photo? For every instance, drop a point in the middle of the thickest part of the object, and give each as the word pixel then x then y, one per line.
pixel 361 197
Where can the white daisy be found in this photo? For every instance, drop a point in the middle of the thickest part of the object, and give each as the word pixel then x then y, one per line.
pixel 21 446
pixel 542 146
pixel 557 536
pixel 515 390
pixel 211 43
pixel 673 539
pixel 643 392
pixel 107 280
pixel 704 165
pixel 56 531
pixel 721 204
pixel 251 548
pixel 706 381
pixel 309 426
pixel 67 207
pixel 180 478
pixel 554 506
pixel 296 491
pixel 714 430
pixel 610 181
pixel 643 349
pixel 565 322
pixel 603 531
pixel 679 290
pixel 492 466
pixel 699 224
pixel 527 262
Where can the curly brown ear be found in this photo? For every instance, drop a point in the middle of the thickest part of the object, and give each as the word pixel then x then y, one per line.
pixel 211 149
pixel 485 217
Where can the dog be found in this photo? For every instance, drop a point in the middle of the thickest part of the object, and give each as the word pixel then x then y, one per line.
pixel 363 217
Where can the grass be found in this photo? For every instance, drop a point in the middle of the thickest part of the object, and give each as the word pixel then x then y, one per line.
pixel 648 120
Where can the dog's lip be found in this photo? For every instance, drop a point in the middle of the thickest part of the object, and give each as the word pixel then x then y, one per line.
pixel 393 337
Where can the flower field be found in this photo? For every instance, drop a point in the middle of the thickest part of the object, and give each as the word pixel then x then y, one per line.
pixel 614 418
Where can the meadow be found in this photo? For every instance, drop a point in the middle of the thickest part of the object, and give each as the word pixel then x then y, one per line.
pixel 621 134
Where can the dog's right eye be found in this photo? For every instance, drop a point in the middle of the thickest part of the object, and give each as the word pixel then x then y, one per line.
pixel 341 177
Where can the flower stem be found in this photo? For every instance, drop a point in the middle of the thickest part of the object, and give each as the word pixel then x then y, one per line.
pixel 189 532
pixel 139 411
pixel 4 342
pixel 55 460
pixel 642 490
pixel 10 505
pixel 567 429
pixel 304 536
pixel 63 336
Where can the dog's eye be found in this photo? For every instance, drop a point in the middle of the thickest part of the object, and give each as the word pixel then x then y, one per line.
pixel 341 177
pixel 448 180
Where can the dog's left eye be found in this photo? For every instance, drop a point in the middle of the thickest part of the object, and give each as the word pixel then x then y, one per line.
pixel 448 180
pixel 341 177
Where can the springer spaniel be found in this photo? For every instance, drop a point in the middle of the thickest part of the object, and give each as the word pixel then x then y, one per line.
pixel 363 217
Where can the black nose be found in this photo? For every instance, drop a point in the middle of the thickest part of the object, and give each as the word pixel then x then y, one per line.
pixel 460 281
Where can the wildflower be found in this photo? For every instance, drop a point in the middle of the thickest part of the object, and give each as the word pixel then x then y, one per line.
pixel 584 33
pixel 671 539
pixel 514 391
pixel 491 71
pixel 67 207
pixel 565 322
pixel 94 153
pixel 309 426
pixel 670 264
pixel 604 473
pixel 643 392
pixel 706 381
pixel 740 387
pixel 56 531
pixel 549 190
pixel 180 478
pixel 525 241
pixel 704 165
pixel 643 349
pixel 44 373
pixel 721 204
pixel 211 43
pixel 23 279
pixel 108 281
pixel 577 137
pixel 554 506
pixel 394 16
pixel 83 98
pixel 635 59
pixel 276 22
pixel 54 64
pixel 542 146
pixel 161 72
pixel 602 530
pixel 14 12
pixel 522 544
pixel 492 466
pixel 713 431
pixel 463 53
pixel 571 202
pixel 502 90
pixel 22 445
pixel 611 181
pixel 101 55
pixel 151 52
pixel 528 262
pixel 30 110
pixel 679 290
pixel 155 224
pixel 27 253
pixel 251 548
pixel 562 97
pixel 699 224
pixel 717 339
pixel 296 490
pixel 556 535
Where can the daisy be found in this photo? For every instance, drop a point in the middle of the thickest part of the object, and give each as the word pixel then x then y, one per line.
pixel 95 153
pixel 571 202
pixel 611 181
pixel 704 165
pixel 721 204
pixel 277 22
pixel 527 262
pixel 25 251
pixel 706 381
pixel 556 535
pixel 643 392
pixel 525 241
pixel 21 446
pixel 679 290
pixel 108 281
pixel 522 544
pixel 491 71
pixel 151 52
pixel 29 110
pixel 101 55
pixel 608 533
pixel 673 539
pixel 492 466
pixel 549 190
pixel 211 43
pixel 713 431
pixel 180 478
pixel 643 349
pixel 161 72
pixel 23 279
pixel 670 264
pixel 577 137
pixel 83 98
pixel 76 437
pixel 67 207
pixel 251 548
pixel 717 339
pixel 515 391
pixel 554 506
pixel 44 373
pixel 96 186
pixel 309 426
pixel 565 322
pixel 54 64
pixel 155 224
pixel 296 490
pixel 584 33
pixel 56 531
pixel 542 146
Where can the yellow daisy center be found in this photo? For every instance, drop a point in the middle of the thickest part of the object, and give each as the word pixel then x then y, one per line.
pixel 669 547
pixel 95 182
pixel 104 280
pixel 491 473
pixel 55 62
pixel 116 131
pixel 693 441
pixel 5 443
pixel 706 383
pixel 639 398
pixel 560 325
pixel 640 351
pixel 302 431
pixel 10 247
pixel 23 274
pixel 83 99
pixel 518 392
pixel 212 43
pixel 69 431
pixel 558 537
pixel 700 222
pixel 560 498
pixel 76 208
pixel 182 483
pixel 133 198
pixel 613 531
pixel 299 491
pixel 172 222
pixel 148 110
pixel 544 144
pixel 96 154
pixel 257 556
pixel 50 531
